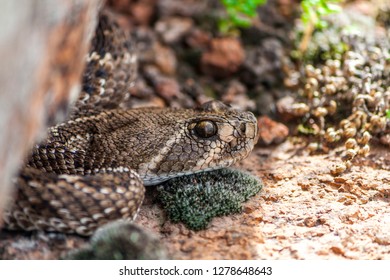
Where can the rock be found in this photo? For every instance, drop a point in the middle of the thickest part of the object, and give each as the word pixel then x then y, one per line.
pixel 198 39
pixel 140 12
pixel 265 101
pixel 235 95
pixel 263 64
pixel 193 89
pixel 173 29
pixel 145 38
pixel 224 57
pixel 271 132
pixel 167 88
pixel 284 108
pixel 186 8
pixel 142 95
pixel 165 59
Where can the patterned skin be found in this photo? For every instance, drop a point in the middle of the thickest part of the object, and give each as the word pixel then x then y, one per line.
pixel 92 169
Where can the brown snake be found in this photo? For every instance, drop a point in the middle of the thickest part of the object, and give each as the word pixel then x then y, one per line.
pixel 92 169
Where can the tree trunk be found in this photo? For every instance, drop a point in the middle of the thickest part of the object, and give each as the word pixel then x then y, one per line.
pixel 43 45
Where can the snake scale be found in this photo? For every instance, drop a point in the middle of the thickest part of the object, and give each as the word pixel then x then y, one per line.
pixel 92 168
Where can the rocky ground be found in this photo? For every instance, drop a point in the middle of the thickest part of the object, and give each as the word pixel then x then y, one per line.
pixel 302 212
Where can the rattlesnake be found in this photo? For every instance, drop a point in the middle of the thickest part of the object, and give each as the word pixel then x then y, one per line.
pixel 92 168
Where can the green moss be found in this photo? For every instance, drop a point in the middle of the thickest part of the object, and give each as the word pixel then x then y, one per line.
pixel 196 199
pixel 120 241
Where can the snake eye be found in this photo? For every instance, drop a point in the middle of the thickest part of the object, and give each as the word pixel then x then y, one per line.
pixel 205 129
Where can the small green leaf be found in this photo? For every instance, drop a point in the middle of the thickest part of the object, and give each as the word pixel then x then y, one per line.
pixel 313 10
pixel 334 8
pixel 306 130
pixel 321 24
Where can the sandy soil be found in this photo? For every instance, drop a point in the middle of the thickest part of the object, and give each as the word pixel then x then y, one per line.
pixel 302 213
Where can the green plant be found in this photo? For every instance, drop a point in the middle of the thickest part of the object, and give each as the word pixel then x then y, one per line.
pixel 312 15
pixel 240 13
pixel 342 96
pixel 314 10
pixel 196 199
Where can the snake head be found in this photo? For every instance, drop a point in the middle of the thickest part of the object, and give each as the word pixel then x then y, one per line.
pixel 227 135
pixel 210 137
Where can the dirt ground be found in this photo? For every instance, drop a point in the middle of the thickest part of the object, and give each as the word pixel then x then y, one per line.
pixel 302 212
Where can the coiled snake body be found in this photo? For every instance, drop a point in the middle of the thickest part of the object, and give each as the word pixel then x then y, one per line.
pixel 92 168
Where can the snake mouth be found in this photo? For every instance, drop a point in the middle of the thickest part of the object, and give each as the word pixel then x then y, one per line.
pixel 233 144
pixel 240 148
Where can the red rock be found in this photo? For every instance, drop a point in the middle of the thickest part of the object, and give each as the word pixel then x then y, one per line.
pixel 165 59
pixel 224 57
pixel 143 12
pixel 271 132
pixel 167 88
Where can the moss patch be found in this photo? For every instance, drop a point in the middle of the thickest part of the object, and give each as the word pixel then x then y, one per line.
pixel 196 199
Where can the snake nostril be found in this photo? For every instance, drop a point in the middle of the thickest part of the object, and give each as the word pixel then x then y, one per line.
pixel 243 128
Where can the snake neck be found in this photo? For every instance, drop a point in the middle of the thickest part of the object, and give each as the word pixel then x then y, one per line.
pixel 157 143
